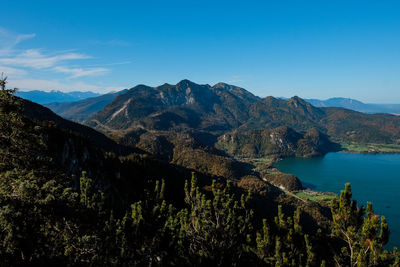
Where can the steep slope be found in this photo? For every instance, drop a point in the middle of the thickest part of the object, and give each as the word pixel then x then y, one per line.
pixel 81 110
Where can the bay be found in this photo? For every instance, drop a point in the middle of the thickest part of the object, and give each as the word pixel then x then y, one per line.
pixel 373 177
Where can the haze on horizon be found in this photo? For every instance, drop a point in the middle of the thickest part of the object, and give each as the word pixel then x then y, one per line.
pixel 312 49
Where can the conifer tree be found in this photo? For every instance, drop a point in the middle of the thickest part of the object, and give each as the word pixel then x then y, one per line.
pixel 217 229
pixel 363 232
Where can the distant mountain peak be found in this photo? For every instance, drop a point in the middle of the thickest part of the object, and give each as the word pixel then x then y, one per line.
pixel 270 98
pixel 164 85
pixel 297 101
pixel 228 87
pixel 139 87
pixel 222 85
pixel 186 83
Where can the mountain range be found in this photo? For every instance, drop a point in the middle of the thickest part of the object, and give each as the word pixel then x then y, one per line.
pixel 79 106
pixel 185 105
pixel 42 97
pixel 355 105
pixel 160 119
pixel 219 109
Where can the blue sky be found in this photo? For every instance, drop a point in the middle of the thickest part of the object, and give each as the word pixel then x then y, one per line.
pixel 313 49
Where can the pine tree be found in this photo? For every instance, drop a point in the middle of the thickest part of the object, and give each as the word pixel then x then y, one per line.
pixel 364 236
pixel 215 230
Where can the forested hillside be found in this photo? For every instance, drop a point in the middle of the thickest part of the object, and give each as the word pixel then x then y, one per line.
pixel 207 113
pixel 279 142
pixel 71 196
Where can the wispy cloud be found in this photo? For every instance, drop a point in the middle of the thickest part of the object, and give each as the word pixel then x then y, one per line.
pixel 20 63
pixel 33 58
pixel 22 37
pixel 12 71
pixel 8 40
pixel 79 72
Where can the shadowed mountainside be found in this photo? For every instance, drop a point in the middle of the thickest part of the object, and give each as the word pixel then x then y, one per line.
pixel 81 110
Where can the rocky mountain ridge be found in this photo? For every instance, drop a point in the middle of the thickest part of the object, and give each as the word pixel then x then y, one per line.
pixel 208 112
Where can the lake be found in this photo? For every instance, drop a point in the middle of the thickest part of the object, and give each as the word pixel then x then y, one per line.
pixel 373 177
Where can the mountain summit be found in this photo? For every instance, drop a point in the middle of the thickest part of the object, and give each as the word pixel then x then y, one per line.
pixel 185 105
pixel 222 108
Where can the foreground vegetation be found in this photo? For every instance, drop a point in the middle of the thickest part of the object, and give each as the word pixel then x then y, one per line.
pixel 44 223
pixel 50 217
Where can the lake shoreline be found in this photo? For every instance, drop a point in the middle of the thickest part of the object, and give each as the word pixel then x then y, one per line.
pixel 370 148
pixel 373 177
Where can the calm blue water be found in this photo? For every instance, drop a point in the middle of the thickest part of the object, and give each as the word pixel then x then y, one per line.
pixel 374 178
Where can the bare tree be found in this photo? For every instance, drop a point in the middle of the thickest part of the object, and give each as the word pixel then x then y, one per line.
pixel 3 83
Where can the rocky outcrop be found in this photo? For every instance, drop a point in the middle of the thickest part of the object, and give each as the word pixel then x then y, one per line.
pixel 284 181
